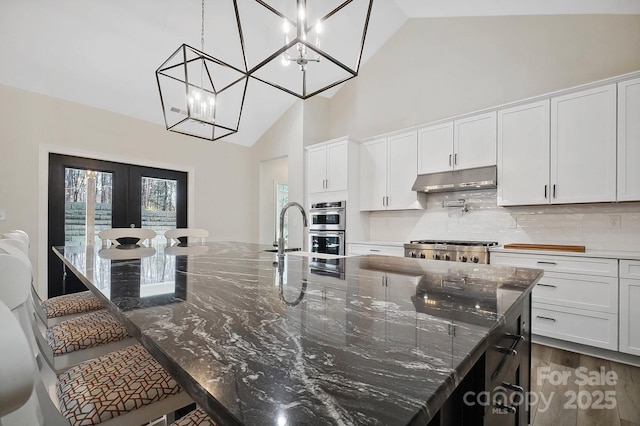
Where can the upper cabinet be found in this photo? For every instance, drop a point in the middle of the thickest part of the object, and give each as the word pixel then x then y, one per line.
pixel 559 151
pixel 583 146
pixel 328 167
pixel 629 140
pixel 388 169
pixel 460 144
pixel 523 154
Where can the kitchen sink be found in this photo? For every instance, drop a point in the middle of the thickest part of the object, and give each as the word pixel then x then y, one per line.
pixel 275 250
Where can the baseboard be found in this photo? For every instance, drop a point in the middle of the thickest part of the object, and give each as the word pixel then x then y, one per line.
pixel 587 350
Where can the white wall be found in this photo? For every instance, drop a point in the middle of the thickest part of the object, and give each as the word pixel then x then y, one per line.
pixel 32 124
pixel 285 139
pixel 434 68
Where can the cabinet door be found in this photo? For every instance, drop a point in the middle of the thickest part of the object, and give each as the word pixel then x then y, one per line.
pixel 629 140
pixel 317 167
pixel 523 154
pixel 630 316
pixel 402 169
pixel 474 141
pixel 435 148
pixel 337 166
pixel 583 146
pixel 373 174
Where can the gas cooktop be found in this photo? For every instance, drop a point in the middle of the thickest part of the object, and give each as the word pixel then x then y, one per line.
pixel 454 251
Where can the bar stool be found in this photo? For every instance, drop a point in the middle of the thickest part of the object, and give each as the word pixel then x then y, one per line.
pixel 68 342
pixel 126 387
pixel 197 417
pixel 52 311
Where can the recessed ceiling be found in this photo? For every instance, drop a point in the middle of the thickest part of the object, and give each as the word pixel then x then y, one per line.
pixel 104 53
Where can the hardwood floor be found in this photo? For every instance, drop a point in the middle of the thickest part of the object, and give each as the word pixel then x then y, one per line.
pixel 579 390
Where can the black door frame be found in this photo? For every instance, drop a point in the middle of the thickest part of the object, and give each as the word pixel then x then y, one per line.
pixel 126 206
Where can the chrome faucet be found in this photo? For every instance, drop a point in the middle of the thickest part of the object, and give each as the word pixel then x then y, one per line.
pixel 282 213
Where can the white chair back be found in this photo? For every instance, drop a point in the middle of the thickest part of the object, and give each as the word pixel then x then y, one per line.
pixel 22 234
pixel 16 240
pixel 112 235
pixel 17 364
pixel 175 234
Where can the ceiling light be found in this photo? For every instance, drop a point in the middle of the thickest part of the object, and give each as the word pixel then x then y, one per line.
pixel 324 39
pixel 201 96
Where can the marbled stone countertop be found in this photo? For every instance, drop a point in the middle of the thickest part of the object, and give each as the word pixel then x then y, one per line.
pixel 359 340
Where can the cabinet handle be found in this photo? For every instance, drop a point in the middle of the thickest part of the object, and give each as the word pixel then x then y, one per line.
pixel 547 285
pixel 513 387
pixel 546 318
pixel 455 159
pixel 545 192
pixel 517 338
pixel 554 190
pixel 510 408
pixel 383 204
pixel 541 262
pixel 375 250
pixel 450 160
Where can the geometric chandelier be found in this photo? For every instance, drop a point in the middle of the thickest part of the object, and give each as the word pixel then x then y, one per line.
pixel 303 47
pixel 201 96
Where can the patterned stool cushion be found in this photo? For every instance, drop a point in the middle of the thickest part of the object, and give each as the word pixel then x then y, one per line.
pixel 85 331
pixel 69 304
pixel 103 388
pixel 195 418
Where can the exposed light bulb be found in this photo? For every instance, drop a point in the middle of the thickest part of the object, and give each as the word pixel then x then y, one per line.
pixel 301 14
pixel 285 25
pixel 318 27
pixel 284 60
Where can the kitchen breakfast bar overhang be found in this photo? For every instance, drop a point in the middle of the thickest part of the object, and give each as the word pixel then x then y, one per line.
pixel 388 341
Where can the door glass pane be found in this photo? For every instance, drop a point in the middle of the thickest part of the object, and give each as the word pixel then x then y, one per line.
pixel 88 205
pixel 158 200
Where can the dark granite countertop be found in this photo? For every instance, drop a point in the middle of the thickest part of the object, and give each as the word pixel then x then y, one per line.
pixel 360 340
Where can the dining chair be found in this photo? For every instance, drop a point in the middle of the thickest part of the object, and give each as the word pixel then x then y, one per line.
pixel 126 387
pixel 112 236
pixel 174 235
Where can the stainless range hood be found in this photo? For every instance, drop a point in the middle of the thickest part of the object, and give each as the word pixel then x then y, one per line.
pixel 457 180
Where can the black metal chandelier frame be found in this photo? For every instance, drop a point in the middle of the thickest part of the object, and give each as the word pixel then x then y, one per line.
pixel 299 40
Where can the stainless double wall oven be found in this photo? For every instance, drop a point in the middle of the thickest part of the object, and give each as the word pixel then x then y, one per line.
pixel 327 227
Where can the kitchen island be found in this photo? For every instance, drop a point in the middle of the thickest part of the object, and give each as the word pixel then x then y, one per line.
pixel 358 340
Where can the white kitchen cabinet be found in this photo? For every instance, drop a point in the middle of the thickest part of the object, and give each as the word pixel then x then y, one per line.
pixel 523 154
pixel 388 169
pixel 576 300
pixel 327 167
pixel 629 140
pixel 460 144
pixel 630 307
pixel 583 146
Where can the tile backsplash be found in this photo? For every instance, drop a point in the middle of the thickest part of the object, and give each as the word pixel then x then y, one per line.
pixel 605 226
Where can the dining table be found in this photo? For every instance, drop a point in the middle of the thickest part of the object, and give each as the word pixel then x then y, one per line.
pixel 256 338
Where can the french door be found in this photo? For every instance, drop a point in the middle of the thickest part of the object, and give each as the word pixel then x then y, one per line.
pixel 87 196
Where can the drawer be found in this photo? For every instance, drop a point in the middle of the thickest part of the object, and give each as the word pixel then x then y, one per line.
pixel 361 249
pixel 630 269
pixel 567 264
pixel 597 329
pixel 593 293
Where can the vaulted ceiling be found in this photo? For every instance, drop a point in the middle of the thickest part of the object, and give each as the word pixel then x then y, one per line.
pixel 104 53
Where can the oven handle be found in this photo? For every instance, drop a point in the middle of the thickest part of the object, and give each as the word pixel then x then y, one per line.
pixel 326 234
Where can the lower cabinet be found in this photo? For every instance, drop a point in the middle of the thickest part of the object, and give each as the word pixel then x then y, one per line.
pixel 576 300
pixel 630 307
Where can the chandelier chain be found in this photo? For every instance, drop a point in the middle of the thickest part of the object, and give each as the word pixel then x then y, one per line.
pixel 202 29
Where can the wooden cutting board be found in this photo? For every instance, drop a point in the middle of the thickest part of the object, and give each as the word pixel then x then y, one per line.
pixel 552 247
